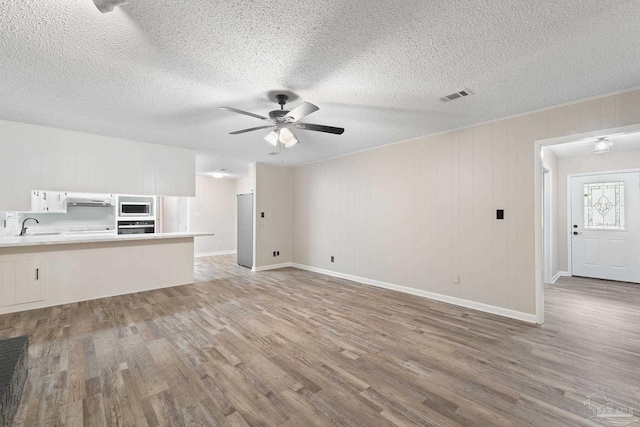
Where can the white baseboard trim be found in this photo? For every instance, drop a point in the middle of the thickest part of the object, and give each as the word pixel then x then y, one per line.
pixel 492 309
pixel 203 254
pixel 558 275
pixel 272 266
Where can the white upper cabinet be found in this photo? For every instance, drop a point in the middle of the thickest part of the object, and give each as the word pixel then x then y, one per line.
pixel 36 201
pixel 48 201
pixel 57 201
pixel 60 160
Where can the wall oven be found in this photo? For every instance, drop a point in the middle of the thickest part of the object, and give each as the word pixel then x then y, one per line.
pixel 137 227
pixel 135 209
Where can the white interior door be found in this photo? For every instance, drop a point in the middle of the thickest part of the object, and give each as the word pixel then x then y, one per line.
pixel 605 226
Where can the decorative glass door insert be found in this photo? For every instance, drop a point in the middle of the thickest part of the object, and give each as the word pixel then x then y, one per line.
pixel 604 206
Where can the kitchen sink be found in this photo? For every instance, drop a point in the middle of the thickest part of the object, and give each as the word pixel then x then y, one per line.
pixel 40 234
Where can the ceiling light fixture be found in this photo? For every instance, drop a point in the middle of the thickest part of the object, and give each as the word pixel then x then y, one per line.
pixel 272 138
pixel 105 6
pixel 602 145
pixel 219 173
pixel 284 136
pixel 288 138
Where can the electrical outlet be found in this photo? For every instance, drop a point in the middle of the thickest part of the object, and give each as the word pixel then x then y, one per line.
pixel 277 253
pixel 456 280
pixel 261 214
pixel 274 253
pixel 332 258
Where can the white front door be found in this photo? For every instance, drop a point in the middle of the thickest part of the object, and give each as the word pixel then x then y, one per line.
pixel 605 226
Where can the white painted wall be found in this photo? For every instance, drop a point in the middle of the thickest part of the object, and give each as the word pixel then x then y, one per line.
pixel 417 213
pixel 247 184
pixel 35 157
pixel 611 161
pixel 273 232
pixel 214 209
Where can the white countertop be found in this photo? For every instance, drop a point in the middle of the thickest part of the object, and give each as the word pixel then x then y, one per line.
pixel 102 237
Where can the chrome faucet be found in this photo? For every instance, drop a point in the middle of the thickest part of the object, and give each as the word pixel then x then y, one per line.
pixel 23 232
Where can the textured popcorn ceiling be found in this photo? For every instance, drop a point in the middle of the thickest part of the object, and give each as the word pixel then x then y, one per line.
pixel 157 70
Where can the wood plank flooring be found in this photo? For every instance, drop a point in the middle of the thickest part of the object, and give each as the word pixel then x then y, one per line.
pixel 294 348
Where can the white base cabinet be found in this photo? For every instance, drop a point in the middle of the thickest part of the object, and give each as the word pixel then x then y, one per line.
pixel 86 271
pixel 22 280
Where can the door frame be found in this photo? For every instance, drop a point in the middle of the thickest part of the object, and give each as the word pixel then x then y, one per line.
pixel 570 208
pixel 538 201
pixel 547 227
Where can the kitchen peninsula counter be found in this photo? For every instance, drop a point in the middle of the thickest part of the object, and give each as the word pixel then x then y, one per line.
pixel 47 270
pixel 102 237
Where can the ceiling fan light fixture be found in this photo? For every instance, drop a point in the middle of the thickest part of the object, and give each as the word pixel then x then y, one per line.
pixel 272 138
pixel 602 145
pixel 283 121
pixel 288 138
pixel 105 6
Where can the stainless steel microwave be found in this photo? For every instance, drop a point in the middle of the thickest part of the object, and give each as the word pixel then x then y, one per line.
pixel 135 209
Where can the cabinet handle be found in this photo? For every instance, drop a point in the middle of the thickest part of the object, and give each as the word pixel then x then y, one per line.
pixel 37 274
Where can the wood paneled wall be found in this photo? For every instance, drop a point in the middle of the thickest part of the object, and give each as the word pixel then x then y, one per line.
pixel 273 232
pixel 418 213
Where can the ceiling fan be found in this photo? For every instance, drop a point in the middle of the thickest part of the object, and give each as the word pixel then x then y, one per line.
pixel 285 121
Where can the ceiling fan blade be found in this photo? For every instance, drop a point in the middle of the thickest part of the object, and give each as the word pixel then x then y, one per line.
pixel 238 132
pixel 246 113
pixel 319 128
pixel 300 112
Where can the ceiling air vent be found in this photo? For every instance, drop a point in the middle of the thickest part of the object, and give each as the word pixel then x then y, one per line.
pixel 456 95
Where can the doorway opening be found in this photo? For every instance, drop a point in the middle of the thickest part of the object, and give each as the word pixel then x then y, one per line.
pixel 587 206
